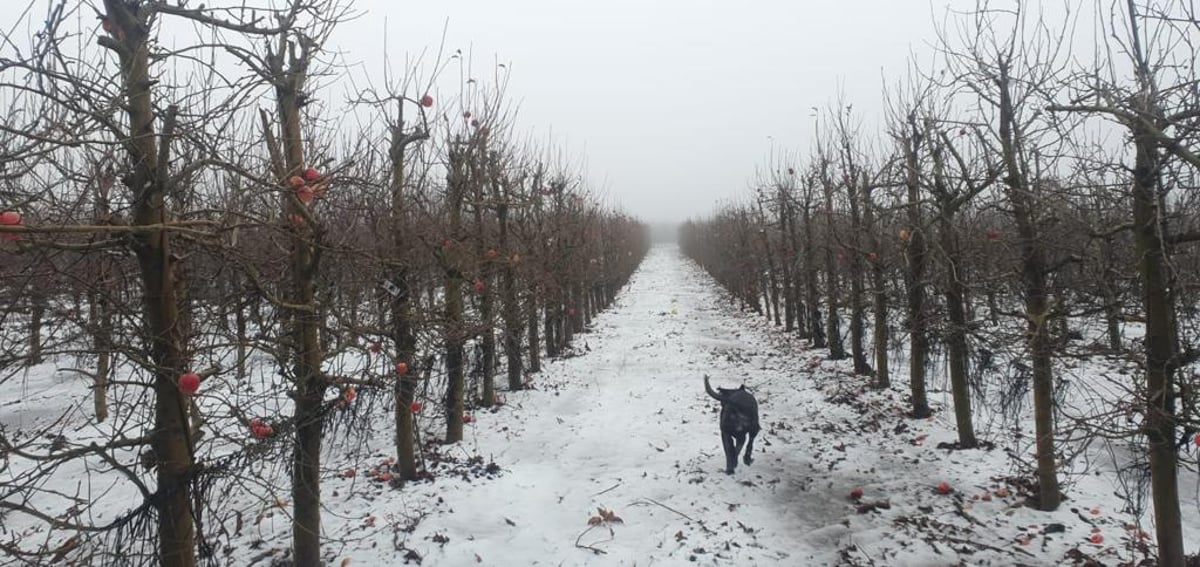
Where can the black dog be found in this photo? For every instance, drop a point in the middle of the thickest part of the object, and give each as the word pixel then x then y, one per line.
pixel 739 422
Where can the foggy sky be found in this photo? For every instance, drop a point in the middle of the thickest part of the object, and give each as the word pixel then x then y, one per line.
pixel 672 102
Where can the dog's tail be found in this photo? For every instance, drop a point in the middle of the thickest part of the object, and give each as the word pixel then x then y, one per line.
pixel 711 392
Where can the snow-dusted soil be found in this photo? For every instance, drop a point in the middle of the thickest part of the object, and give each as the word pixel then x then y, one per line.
pixel 625 427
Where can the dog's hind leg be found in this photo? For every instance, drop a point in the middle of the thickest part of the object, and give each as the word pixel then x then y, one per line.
pixel 730 453
pixel 741 442
pixel 750 447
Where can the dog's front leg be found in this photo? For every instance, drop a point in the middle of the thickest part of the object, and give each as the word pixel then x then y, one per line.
pixel 730 453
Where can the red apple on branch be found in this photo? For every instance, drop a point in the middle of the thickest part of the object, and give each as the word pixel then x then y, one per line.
pixel 189 383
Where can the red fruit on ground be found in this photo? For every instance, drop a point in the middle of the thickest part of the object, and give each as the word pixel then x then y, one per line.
pixel 296 181
pixel 350 394
pixel 427 101
pixel 349 473
pixel 944 488
pixel 415 407
pixel 479 286
pixel 467 418
pixel 311 174
pixel 856 493
pixel 1096 538
pixel 189 383
pixel 402 368
pixel 10 218
pixel 467 114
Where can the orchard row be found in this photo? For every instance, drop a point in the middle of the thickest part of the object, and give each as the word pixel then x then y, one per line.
pixel 240 267
pixel 1019 215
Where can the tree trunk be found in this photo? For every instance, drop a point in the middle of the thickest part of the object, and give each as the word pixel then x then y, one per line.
pixel 453 333
pixel 548 314
pixel 879 335
pixel 486 307
pixel 171 444
pixel 37 312
pixel 511 306
pixel 401 310
pixel 811 294
pixel 917 255
pixel 956 336
pixel 857 302
pixel 772 282
pixel 102 331
pixel 833 324
pixel 794 275
pixel 1159 345
pixel 531 318
pixel 1112 298
pixel 1037 301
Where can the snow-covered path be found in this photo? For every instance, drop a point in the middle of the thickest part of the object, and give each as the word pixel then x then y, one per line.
pixel 626 426
pixel 632 431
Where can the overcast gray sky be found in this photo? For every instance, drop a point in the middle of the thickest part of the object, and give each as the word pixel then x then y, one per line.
pixel 671 101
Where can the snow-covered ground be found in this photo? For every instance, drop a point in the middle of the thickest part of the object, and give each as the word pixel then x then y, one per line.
pixel 614 459
pixel 626 427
